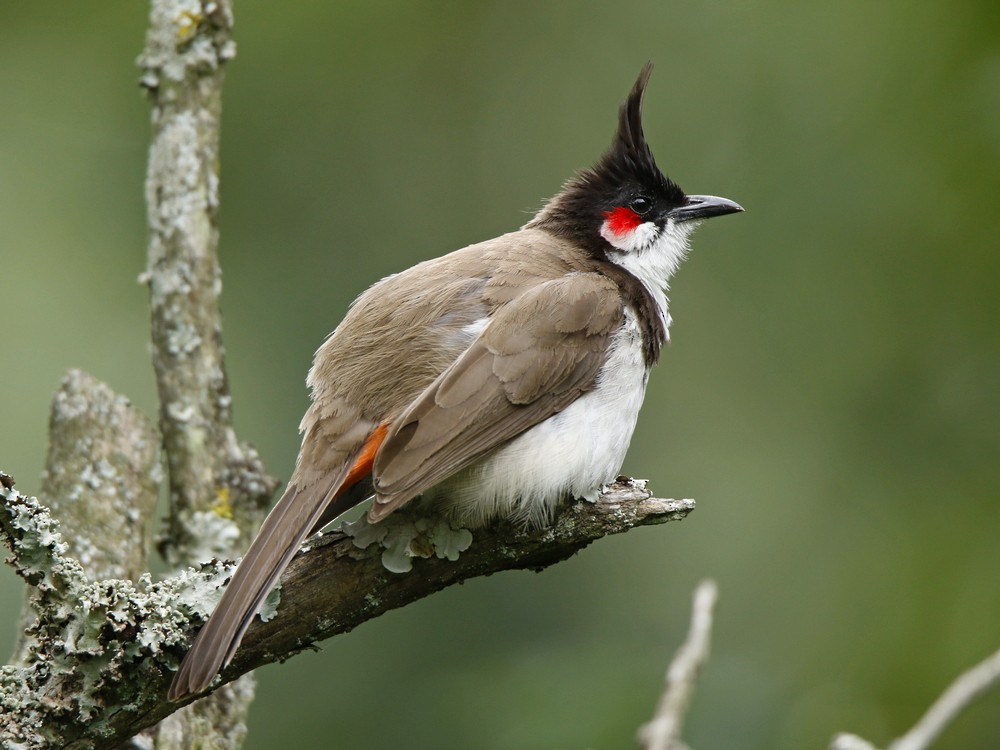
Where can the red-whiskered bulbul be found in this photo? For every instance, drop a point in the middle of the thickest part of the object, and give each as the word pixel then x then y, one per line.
pixel 493 382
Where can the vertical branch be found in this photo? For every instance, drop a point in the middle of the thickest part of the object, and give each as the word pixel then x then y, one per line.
pixel 217 486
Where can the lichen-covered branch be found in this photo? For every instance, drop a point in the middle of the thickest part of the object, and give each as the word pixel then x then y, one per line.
pixel 102 478
pixel 218 487
pixel 94 646
pixel 335 586
pixel 107 649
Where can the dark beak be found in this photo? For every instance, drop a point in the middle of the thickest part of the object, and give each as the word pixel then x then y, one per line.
pixel 700 207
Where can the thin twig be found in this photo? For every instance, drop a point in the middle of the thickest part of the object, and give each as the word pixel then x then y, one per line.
pixel 664 731
pixel 846 741
pixel 968 687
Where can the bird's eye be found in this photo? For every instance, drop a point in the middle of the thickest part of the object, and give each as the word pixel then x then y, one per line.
pixel 640 204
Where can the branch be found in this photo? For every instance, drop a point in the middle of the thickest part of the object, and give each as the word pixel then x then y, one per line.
pixel 846 741
pixel 219 490
pixel 102 478
pixel 966 689
pixel 664 731
pixel 218 487
pixel 969 686
pixel 110 647
pixel 334 586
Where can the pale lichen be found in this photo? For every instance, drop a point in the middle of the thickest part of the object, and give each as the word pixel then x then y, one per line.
pixel 185 37
pixel 212 535
pixel 403 538
pixel 86 632
pixel 102 475
pixel 269 609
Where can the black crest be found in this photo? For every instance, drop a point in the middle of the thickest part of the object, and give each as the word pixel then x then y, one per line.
pixel 629 158
pixel 626 169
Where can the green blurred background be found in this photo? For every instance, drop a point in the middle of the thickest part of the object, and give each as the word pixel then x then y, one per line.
pixel 829 398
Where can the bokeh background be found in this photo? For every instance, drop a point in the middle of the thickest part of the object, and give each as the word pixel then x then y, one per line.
pixel 829 398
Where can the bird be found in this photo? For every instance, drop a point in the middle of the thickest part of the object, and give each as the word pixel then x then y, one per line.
pixel 492 382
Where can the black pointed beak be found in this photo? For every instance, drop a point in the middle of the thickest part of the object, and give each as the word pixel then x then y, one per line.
pixel 700 207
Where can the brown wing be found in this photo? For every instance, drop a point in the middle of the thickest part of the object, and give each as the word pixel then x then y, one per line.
pixel 539 353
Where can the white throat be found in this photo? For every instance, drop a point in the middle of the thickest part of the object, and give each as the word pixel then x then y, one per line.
pixel 652 255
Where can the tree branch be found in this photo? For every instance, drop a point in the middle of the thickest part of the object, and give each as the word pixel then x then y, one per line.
pixel 102 477
pixel 847 741
pixel 664 731
pixel 218 487
pixel 963 692
pixel 219 490
pixel 107 649
pixel 967 688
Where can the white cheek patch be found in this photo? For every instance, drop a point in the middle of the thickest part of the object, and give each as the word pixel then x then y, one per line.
pixel 631 241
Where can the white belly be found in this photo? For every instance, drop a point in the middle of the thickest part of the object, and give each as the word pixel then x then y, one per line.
pixel 571 453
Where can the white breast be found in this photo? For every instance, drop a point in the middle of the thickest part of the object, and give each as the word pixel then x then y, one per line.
pixel 572 453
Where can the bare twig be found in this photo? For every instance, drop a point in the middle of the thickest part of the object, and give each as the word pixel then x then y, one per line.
pixel 965 690
pixel 846 741
pixel 664 731
pixel 969 686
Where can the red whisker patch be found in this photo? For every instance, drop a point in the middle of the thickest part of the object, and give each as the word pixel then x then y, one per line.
pixel 621 220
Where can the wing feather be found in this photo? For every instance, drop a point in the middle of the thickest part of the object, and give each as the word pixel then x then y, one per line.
pixel 540 352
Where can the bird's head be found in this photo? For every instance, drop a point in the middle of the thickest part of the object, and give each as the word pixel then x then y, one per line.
pixel 624 209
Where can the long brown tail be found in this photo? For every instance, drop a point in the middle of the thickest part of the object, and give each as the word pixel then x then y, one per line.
pixel 279 538
pixel 295 516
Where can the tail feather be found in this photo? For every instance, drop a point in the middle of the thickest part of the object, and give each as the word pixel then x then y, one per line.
pixel 279 539
pixel 298 513
pixel 346 499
